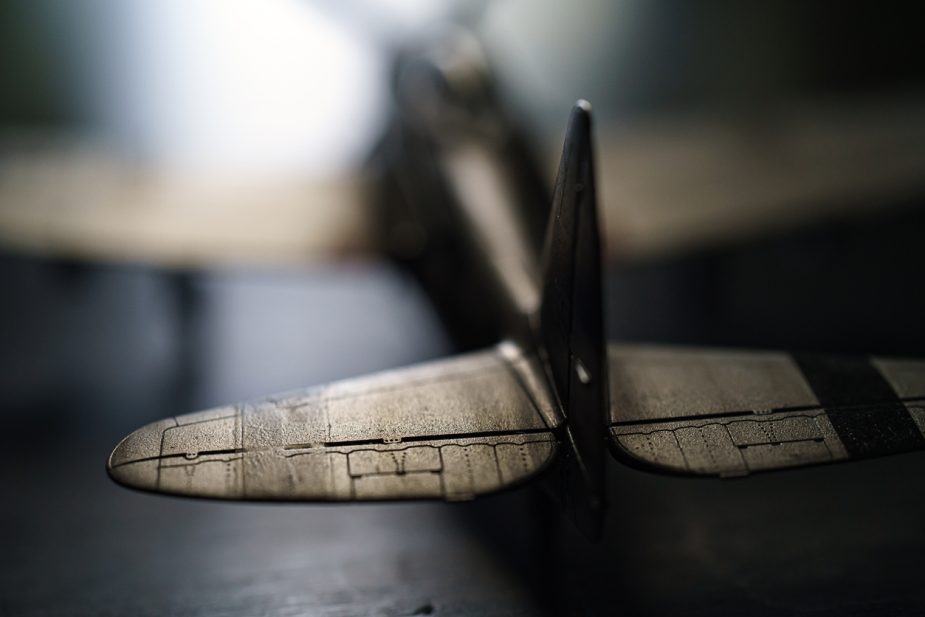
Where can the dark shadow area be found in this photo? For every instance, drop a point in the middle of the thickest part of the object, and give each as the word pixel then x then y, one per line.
pixel 839 540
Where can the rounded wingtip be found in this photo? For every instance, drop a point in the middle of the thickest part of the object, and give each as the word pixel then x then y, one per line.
pixel 133 462
pixel 583 105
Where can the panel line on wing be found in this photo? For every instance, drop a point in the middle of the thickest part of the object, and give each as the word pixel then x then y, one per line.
pixel 414 438
pixel 192 456
pixel 157 478
pixel 184 455
pixel 293 453
pixel 449 430
pixel 206 420
pixel 734 446
pixel 239 413
pixel 679 423
pixel 857 408
pixel 705 416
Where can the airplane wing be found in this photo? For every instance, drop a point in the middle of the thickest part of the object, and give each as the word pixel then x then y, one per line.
pixel 675 184
pixel 451 430
pixel 731 413
pixel 76 199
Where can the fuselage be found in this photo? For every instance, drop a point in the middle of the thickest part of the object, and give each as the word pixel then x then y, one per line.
pixel 462 173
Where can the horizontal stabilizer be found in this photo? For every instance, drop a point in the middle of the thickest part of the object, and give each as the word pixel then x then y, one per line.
pixel 732 413
pixel 450 430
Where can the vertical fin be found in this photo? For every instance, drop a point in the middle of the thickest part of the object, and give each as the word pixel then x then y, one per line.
pixel 571 324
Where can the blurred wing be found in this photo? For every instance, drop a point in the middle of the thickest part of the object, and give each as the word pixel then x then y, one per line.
pixel 449 430
pixel 681 184
pixel 731 413
pixel 69 199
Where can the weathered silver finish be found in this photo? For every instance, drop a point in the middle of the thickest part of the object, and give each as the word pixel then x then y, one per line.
pixel 482 422
pixel 450 430
pixel 731 413
pixel 486 421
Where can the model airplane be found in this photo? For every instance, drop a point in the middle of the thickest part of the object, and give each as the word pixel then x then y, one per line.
pixel 550 399
pixel 731 177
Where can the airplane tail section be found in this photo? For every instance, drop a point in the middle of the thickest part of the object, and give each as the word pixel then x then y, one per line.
pixel 570 320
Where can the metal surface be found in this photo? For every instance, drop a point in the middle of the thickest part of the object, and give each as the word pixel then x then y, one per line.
pixel 732 413
pixel 450 430
pixel 480 423
pixel 671 547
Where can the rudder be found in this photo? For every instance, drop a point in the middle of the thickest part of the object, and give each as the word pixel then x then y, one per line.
pixel 571 324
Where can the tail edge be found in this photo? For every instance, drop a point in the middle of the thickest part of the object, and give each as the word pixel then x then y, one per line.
pixel 571 324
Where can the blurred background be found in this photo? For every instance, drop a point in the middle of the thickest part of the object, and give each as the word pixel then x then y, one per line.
pixel 191 214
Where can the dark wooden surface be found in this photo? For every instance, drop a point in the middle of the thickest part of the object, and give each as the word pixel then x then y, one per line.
pixel 839 540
